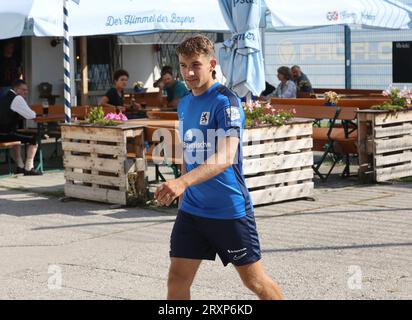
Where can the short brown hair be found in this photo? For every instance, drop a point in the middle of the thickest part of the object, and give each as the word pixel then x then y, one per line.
pixel 166 70
pixel 118 73
pixel 285 71
pixel 196 45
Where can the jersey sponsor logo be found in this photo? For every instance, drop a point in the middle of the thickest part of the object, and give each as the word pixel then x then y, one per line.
pixel 189 135
pixel 204 118
pixel 233 116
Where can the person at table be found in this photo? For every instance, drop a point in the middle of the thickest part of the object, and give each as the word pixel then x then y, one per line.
pixel 114 97
pixel 175 89
pixel 301 80
pixel 286 87
pixel 13 106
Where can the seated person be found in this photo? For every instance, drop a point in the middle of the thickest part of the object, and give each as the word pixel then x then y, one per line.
pixel 114 96
pixel 12 106
pixel 301 80
pixel 286 87
pixel 175 89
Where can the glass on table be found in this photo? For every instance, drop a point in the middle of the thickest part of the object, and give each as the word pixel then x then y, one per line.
pixel 45 104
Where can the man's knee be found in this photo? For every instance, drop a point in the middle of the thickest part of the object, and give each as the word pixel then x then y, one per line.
pixel 254 284
pixel 178 280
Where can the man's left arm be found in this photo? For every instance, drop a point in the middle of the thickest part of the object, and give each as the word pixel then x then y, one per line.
pixel 20 106
pixel 216 164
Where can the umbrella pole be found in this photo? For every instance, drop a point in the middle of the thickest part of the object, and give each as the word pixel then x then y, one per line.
pixel 66 63
pixel 249 97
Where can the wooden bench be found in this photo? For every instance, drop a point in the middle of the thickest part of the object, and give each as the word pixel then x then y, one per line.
pixel 150 99
pixel 339 140
pixel 164 148
pixel 6 146
pixel 162 115
pixel 343 103
pixel 364 92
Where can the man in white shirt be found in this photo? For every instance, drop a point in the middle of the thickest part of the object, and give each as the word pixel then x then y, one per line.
pixel 13 106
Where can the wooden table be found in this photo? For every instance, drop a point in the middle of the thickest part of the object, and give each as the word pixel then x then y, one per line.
pixel 172 124
pixel 40 121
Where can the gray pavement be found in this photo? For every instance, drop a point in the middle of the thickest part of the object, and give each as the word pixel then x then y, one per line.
pixel 353 242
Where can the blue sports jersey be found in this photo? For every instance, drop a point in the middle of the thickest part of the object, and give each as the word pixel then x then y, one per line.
pixel 204 119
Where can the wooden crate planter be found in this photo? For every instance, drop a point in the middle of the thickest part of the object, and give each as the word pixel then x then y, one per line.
pixel 385 144
pixel 277 162
pixel 97 166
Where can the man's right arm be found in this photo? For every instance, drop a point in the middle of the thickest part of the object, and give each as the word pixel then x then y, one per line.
pixel 20 106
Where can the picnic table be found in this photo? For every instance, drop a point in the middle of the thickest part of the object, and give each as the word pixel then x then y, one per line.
pixel 41 121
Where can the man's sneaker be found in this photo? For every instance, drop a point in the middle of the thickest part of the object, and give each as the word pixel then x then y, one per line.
pixel 32 172
pixel 19 170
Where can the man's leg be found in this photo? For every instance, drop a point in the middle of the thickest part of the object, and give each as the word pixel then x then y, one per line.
pixel 181 274
pixel 16 155
pixel 256 280
pixel 31 152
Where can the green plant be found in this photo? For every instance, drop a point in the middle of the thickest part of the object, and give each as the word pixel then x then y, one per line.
pixel 96 116
pixel 399 99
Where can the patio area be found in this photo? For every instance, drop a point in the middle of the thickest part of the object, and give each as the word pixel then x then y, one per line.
pixel 353 242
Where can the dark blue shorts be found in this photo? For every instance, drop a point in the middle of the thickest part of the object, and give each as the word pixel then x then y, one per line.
pixel 235 241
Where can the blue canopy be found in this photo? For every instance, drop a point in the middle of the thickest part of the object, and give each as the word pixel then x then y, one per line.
pixel 241 56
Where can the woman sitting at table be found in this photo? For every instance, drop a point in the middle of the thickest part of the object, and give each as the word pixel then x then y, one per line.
pixel 286 87
pixel 114 96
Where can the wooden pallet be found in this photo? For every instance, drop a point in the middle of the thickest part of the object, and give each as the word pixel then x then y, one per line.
pixel 96 163
pixel 387 145
pixel 277 162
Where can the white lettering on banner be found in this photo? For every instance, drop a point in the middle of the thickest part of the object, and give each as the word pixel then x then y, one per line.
pixel 402 45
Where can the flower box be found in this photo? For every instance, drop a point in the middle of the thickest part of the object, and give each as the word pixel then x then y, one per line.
pixel 385 145
pixel 277 161
pixel 97 166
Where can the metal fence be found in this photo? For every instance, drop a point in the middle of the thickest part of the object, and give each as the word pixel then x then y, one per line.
pixel 321 54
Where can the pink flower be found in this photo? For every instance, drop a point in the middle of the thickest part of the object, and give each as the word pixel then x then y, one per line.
pixel 110 116
pixel 294 111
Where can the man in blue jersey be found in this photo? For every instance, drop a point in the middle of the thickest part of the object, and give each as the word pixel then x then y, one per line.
pixel 216 213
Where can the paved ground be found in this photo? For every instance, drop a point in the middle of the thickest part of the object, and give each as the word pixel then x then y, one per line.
pixel 354 242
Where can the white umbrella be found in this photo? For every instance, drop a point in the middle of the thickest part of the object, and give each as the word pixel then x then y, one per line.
pixel 12 17
pixel 241 56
